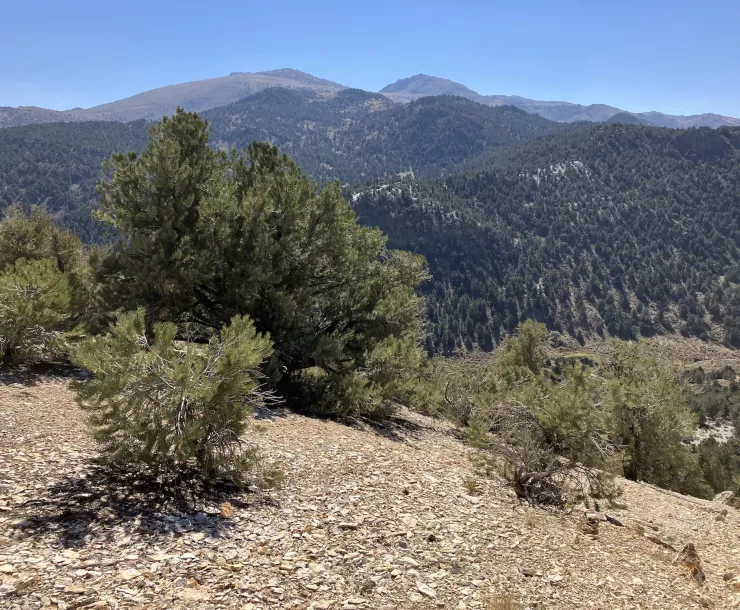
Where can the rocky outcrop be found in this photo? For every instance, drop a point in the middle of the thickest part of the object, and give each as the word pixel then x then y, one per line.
pixel 728 498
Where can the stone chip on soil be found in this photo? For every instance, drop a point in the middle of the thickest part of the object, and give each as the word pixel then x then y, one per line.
pixel 426 590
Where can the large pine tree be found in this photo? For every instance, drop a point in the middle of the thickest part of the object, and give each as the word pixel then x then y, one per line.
pixel 205 236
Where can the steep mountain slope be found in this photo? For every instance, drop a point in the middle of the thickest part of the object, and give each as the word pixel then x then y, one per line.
pixel 350 135
pixel 420 85
pixel 57 165
pixel 606 229
pixel 197 95
pixel 205 94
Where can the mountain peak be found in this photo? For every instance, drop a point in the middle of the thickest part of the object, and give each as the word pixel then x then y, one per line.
pixel 300 77
pixel 424 84
pixel 628 118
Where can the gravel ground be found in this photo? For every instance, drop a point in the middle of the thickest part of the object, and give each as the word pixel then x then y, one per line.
pixel 366 518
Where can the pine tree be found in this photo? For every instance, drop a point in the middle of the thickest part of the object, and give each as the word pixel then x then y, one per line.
pixel 206 237
pixel 651 419
pixel 169 404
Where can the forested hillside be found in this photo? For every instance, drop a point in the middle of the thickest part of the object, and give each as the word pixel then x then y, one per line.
pixel 57 165
pixel 610 229
pixel 355 136
pixel 352 136
pixel 607 229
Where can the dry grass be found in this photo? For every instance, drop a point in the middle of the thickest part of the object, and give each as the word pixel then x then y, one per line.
pixel 502 602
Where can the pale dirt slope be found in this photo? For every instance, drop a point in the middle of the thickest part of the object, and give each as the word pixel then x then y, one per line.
pixel 363 521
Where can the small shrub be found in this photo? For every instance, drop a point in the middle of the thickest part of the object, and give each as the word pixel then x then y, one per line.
pixel 169 403
pixel 471 486
pixel 33 236
pixel 34 308
pixel 547 435
pixel 524 354
pixel 273 478
pixel 516 445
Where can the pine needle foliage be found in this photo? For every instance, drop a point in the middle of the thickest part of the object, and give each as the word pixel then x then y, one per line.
pixel 206 237
pixel 547 435
pixel 33 236
pixel 168 404
pixel 552 427
pixel 43 285
pixel 34 309
pixel 649 404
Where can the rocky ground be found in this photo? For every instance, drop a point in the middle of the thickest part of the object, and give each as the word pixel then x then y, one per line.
pixel 366 518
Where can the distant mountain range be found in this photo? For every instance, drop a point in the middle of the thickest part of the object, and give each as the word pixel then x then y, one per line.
pixel 195 96
pixel 214 92
pixel 423 85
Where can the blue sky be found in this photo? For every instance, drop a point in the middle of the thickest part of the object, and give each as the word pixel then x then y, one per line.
pixel 677 56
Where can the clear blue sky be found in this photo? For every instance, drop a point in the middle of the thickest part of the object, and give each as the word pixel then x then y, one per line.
pixel 677 56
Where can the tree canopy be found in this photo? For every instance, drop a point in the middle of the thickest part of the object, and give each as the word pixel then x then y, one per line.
pixel 206 236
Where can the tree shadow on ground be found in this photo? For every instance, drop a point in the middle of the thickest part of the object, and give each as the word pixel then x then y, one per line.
pixel 270 412
pixel 102 501
pixel 393 428
pixel 37 372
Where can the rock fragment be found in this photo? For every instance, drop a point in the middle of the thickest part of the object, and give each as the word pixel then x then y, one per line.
pixel 689 558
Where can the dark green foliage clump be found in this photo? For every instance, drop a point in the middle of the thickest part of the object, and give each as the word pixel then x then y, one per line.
pixel 720 464
pixel 206 237
pixel 169 403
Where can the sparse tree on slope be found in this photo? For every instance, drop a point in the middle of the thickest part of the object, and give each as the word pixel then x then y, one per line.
pixel 651 419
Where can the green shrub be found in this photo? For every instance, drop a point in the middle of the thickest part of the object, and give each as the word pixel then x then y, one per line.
pixel 651 419
pixel 720 464
pixel 34 308
pixel 547 436
pixel 166 404
pixel 524 354
pixel 32 236
pixel 40 284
